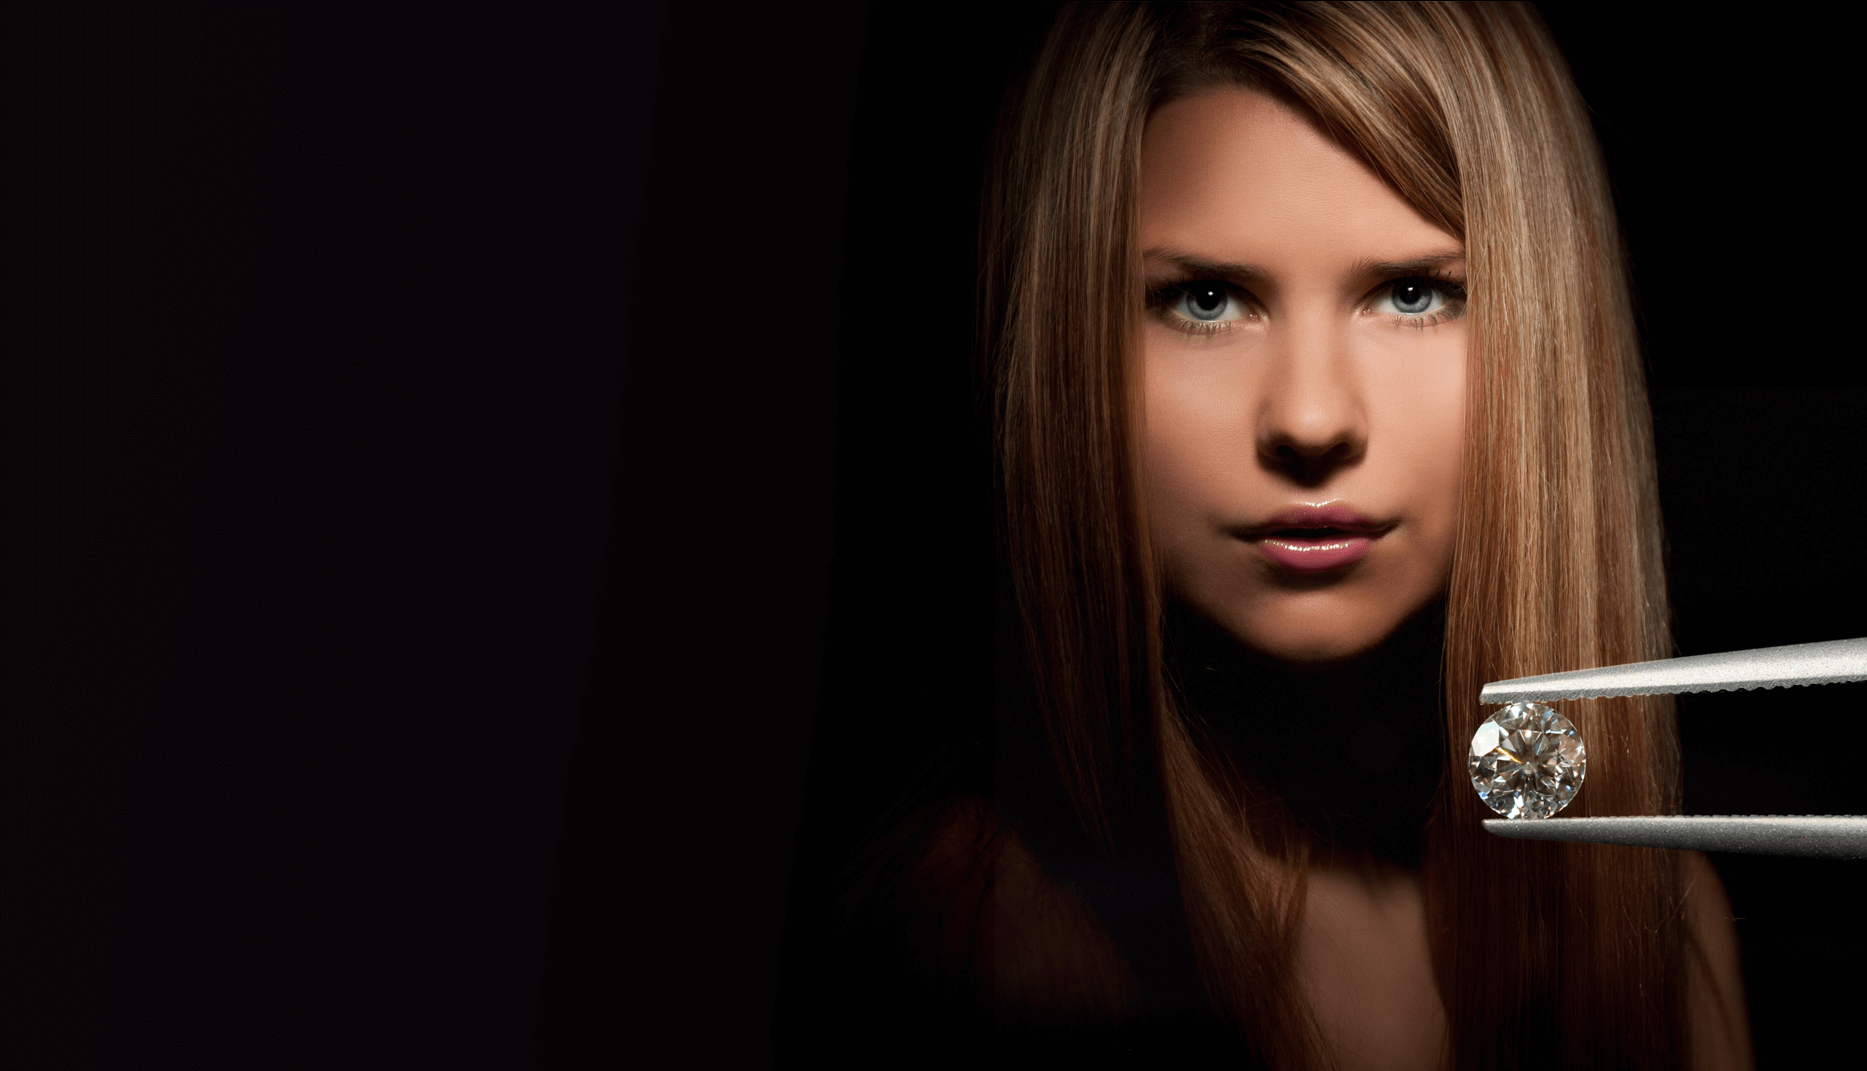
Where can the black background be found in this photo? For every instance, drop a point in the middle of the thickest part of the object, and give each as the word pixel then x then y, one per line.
pixel 413 423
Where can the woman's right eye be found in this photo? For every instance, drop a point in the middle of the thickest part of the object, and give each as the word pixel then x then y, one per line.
pixel 1206 302
pixel 1204 305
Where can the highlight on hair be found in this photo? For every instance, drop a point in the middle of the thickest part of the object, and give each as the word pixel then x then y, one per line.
pixel 1468 112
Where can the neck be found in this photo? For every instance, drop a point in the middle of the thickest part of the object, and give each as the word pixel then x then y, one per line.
pixel 1353 749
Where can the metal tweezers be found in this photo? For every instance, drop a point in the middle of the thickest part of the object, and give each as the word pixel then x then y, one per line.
pixel 1827 836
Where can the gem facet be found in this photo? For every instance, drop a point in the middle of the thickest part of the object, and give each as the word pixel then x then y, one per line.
pixel 1527 761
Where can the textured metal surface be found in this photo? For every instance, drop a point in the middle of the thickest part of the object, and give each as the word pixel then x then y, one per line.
pixel 1829 662
pixel 1828 836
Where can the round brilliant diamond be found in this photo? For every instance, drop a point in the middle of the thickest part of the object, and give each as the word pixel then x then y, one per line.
pixel 1527 761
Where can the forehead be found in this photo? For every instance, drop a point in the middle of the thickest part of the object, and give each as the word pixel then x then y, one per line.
pixel 1235 174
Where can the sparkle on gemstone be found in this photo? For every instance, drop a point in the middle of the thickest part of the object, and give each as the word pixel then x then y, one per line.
pixel 1527 761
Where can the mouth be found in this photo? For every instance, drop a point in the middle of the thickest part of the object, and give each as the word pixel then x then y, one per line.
pixel 1316 539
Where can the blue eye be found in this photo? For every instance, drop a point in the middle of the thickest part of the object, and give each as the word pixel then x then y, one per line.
pixel 1420 298
pixel 1413 299
pixel 1206 302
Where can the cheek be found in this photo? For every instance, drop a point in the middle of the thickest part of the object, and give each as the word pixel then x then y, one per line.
pixel 1424 415
pixel 1197 438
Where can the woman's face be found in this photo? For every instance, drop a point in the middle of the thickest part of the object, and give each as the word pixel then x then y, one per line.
pixel 1304 380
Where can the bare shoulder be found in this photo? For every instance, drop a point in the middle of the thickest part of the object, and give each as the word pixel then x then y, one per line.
pixel 1720 1025
pixel 1365 966
pixel 996 918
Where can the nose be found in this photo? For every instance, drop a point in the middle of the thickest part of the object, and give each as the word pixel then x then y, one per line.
pixel 1311 421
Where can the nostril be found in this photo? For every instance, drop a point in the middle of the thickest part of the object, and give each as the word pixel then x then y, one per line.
pixel 1289 450
pixel 1307 463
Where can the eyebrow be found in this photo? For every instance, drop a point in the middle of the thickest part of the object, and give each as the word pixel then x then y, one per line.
pixel 1391 268
pixel 1201 268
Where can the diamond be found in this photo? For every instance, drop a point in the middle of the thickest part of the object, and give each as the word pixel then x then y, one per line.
pixel 1527 761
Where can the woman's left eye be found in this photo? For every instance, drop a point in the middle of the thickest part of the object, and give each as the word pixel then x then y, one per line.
pixel 1420 299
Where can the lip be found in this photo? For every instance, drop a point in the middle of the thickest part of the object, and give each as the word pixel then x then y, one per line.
pixel 1315 539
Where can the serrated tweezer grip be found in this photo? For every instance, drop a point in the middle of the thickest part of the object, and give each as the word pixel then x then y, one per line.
pixel 1828 837
pixel 1829 662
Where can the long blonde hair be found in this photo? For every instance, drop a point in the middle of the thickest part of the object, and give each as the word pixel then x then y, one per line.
pixel 1544 953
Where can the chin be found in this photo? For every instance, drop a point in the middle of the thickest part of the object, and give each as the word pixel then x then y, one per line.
pixel 1312 648
pixel 1315 632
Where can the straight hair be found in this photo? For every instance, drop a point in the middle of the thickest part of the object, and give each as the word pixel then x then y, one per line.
pixel 1546 954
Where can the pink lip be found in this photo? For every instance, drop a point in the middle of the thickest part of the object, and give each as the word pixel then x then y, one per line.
pixel 1314 539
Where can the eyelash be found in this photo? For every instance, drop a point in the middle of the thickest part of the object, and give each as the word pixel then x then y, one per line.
pixel 1163 300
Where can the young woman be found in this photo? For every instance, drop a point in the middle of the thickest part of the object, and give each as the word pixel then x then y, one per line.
pixel 1318 406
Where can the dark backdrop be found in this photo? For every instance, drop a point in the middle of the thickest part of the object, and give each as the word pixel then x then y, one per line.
pixel 460 452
